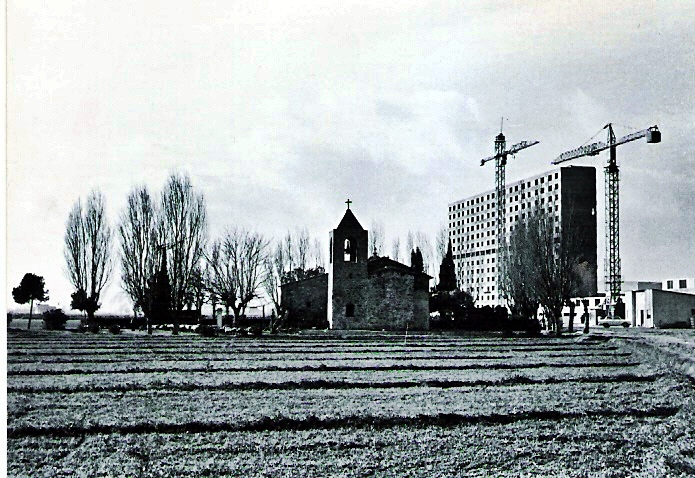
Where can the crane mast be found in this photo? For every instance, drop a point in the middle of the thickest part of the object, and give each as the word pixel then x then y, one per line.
pixel 501 191
pixel 500 158
pixel 613 267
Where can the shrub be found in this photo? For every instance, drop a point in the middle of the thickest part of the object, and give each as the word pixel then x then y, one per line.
pixel 255 331
pixel 115 329
pixel 54 319
pixel 207 330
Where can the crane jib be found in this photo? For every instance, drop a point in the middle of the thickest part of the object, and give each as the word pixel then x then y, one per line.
pixel 513 150
pixel 652 134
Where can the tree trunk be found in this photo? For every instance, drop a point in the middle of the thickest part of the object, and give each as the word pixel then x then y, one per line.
pixel 149 325
pixel 31 312
pixel 91 322
pixel 175 330
pixel 570 327
pixel 237 311
pixel 558 325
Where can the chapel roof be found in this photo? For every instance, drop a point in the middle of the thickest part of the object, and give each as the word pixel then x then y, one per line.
pixel 349 221
pixel 383 264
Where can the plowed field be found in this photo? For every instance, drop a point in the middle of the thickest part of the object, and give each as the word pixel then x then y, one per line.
pixel 360 405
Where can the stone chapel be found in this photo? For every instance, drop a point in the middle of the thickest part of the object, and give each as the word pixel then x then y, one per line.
pixel 358 292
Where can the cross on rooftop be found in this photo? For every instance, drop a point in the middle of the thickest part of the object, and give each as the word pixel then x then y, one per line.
pixel 348 202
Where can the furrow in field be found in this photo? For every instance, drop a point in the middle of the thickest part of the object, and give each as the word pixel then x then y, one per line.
pixel 328 340
pixel 146 351
pixel 169 407
pixel 313 422
pixel 135 356
pixel 54 362
pixel 306 383
pixel 335 364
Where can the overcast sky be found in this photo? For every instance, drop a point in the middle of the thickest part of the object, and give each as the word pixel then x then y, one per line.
pixel 280 111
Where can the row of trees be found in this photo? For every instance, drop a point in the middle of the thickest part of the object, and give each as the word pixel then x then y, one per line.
pixel 167 262
pixel 162 247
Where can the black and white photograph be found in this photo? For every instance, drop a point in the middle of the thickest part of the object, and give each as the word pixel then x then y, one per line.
pixel 434 238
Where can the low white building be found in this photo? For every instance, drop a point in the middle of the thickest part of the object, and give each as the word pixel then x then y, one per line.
pixel 647 304
pixel 660 308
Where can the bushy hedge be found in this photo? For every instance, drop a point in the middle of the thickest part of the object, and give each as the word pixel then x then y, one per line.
pixel 207 330
pixel 484 319
pixel 54 319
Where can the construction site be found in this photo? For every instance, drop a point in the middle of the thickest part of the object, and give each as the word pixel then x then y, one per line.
pixel 480 227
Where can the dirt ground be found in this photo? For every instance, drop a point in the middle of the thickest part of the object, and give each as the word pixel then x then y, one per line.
pixel 615 403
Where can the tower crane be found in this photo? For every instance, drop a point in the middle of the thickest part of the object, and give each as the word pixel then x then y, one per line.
pixel 500 158
pixel 612 260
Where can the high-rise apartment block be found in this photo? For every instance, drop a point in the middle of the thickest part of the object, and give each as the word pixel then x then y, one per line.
pixel 568 194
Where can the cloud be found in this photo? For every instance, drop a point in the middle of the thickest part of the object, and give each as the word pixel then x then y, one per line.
pixel 281 110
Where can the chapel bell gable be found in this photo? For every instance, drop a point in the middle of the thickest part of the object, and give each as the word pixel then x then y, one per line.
pixel 349 241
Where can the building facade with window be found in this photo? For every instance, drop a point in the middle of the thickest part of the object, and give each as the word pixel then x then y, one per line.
pixel 686 285
pixel 568 195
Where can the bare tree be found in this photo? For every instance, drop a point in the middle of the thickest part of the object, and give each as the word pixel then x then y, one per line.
pixel 238 267
pixel 422 242
pixel 220 277
pixel 517 282
pixel 317 252
pixel 376 238
pixel 88 251
pixel 441 243
pixel 302 244
pixel 543 266
pixel 274 266
pixel 289 254
pixel 138 235
pixel 183 235
pixel 409 243
pixel 440 250
pixel 212 297
pixel 562 269
pixel 396 249
pixel 197 290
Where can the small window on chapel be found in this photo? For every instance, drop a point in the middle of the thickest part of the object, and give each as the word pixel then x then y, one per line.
pixel 349 310
pixel 350 254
